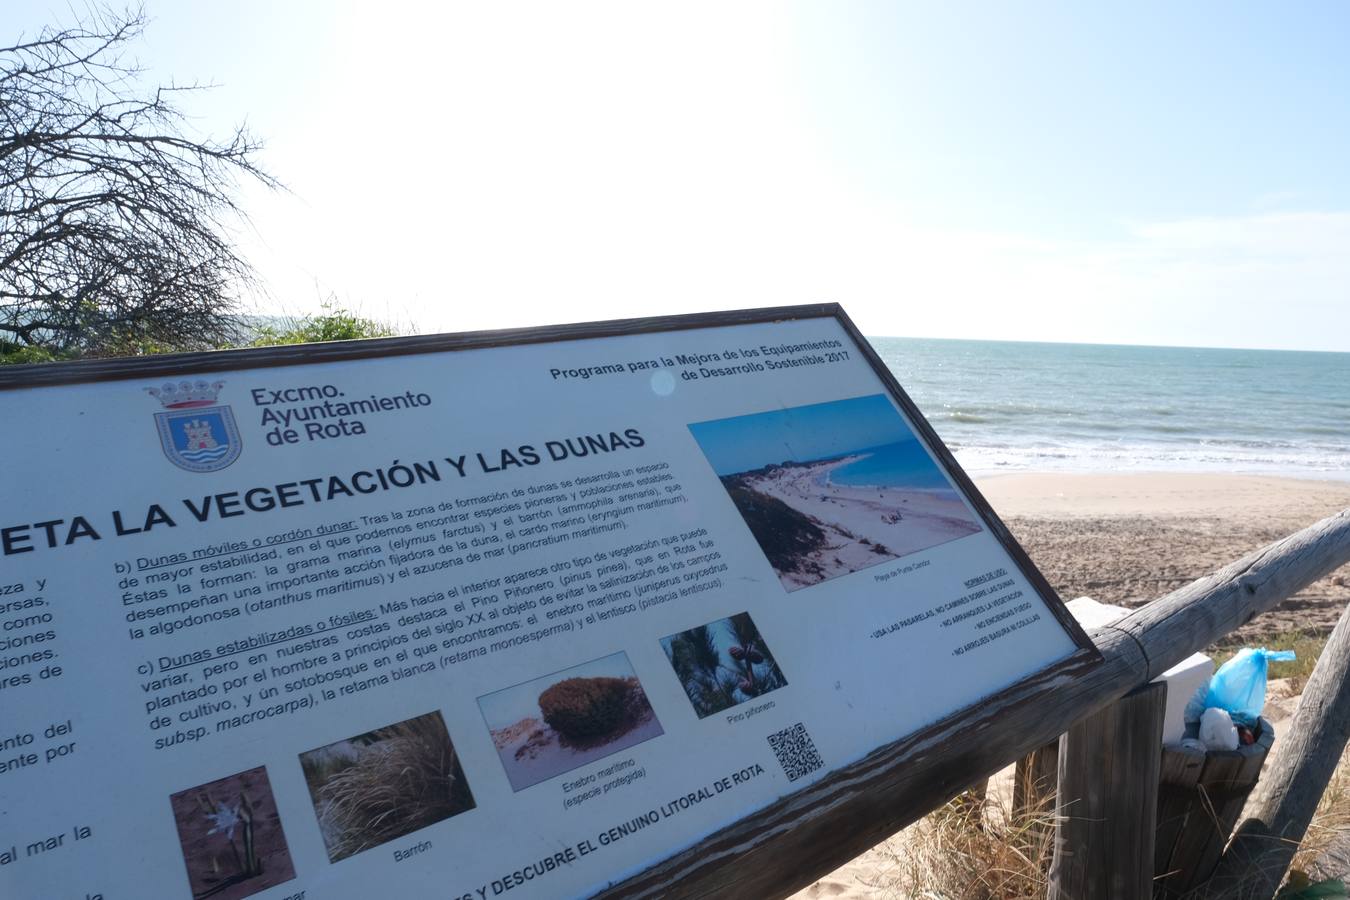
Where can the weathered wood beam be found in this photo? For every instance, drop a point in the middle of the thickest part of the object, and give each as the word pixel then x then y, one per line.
pixel 1193 617
pixel 1277 816
pixel 788 844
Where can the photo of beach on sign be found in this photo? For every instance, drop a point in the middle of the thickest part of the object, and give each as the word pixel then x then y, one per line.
pixel 832 488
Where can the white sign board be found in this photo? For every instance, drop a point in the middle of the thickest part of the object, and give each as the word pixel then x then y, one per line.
pixel 506 620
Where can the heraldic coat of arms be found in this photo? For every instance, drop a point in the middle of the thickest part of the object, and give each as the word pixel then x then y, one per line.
pixel 195 433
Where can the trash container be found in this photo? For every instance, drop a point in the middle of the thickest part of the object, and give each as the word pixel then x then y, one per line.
pixel 1200 796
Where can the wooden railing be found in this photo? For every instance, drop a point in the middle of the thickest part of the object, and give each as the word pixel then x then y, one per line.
pixel 809 833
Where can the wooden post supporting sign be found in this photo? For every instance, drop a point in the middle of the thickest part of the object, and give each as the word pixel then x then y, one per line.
pixel 1108 777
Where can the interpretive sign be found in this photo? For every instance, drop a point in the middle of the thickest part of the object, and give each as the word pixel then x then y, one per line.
pixel 510 614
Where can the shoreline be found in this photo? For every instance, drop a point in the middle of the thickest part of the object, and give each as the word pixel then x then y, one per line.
pixel 1286 498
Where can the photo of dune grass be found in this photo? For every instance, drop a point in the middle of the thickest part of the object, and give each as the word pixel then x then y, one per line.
pixel 832 488
pixel 231 837
pixel 553 724
pixel 723 664
pixel 384 784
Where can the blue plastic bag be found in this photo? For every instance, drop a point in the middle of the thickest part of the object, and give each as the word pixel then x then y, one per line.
pixel 1240 684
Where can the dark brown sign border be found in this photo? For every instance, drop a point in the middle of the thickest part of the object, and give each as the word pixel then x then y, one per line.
pixel 807 833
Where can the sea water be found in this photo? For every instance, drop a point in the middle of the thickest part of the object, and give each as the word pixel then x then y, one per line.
pixel 904 464
pixel 1007 406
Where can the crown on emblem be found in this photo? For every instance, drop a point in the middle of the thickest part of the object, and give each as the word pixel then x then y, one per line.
pixel 186 394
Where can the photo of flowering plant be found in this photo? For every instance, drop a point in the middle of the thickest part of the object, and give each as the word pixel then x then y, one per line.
pixel 231 837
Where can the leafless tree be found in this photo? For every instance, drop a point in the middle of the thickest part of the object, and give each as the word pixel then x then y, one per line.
pixel 115 224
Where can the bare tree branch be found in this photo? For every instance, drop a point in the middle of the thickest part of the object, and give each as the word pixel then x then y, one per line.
pixel 115 224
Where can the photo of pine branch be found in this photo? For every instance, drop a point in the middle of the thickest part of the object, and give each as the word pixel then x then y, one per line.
pixel 384 784
pixel 231 836
pixel 723 663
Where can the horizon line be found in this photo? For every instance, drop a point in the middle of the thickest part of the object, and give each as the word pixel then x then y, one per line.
pixel 920 337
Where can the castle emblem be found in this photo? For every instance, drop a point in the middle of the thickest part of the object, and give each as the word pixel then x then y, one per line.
pixel 196 433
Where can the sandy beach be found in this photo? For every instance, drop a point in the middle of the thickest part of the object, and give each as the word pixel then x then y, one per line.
pixel 861 526
pixel 1127 539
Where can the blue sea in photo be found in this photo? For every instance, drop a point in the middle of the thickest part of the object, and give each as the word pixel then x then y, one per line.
pixel 901 465
pixel 1010 406
pixel 800 434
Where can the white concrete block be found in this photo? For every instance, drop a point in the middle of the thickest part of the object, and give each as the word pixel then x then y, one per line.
pixel 1183 679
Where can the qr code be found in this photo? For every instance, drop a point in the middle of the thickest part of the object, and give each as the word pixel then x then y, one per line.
pixel 796 751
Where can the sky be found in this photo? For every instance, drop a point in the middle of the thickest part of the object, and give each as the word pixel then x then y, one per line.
pixel 1152 172
pixel 800 434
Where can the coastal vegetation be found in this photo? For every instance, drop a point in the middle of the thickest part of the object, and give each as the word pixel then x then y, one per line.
pixel 788 538
pixel 972 848
pixel 723 663
pixel 230 833
pixel 118 220
pixel 334 322
pixel 582 709
pixel 385 784
pixel 558 722
pixel 982 847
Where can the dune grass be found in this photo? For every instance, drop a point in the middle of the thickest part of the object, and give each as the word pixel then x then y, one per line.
pixel 406 777
pixel 971 848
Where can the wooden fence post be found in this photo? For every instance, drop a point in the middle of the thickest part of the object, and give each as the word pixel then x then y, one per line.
pixel 1107 807
pixel 1277 818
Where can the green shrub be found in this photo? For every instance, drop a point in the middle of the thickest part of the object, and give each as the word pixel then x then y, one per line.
pixel 787 537
pixel 334 323
pixel 582 708
pixel 21 355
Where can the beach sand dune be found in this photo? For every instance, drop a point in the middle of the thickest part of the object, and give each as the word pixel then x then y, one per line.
pixel 813 529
